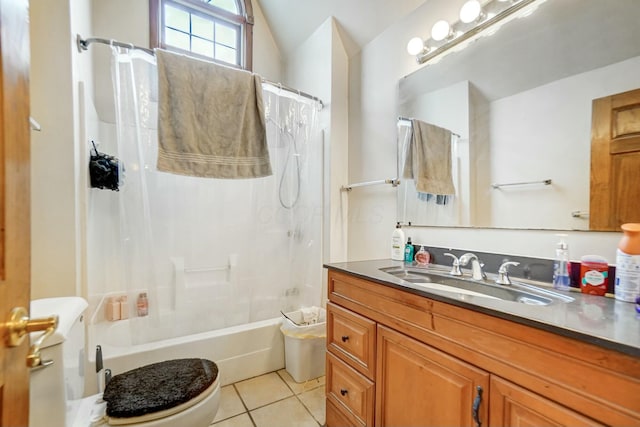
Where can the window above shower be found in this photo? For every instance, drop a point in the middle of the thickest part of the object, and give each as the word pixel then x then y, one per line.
pixel 218 30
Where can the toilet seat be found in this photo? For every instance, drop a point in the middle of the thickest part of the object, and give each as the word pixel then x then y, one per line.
pixel 91 411
pixel 114 421
pixel 158 386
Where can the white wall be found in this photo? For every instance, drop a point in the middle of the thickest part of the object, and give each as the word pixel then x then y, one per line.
pixel 122 20
pixel 320 67
pixel 267 59
pixel 56 170
pixel 373 107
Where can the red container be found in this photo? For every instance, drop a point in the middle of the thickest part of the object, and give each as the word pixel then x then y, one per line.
pixel 594 275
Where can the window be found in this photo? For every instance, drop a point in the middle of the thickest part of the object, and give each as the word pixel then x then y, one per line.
pixel 219 30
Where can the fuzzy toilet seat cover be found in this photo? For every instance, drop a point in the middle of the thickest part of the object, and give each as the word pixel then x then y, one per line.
pixel 159 387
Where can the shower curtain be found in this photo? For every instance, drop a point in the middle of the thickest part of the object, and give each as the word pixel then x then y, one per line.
pixel 209 253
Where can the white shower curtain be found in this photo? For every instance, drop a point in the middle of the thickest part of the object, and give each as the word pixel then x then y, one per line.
pixel 209 253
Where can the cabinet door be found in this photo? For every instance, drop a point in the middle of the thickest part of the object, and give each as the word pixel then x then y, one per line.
pixel 418 385
pixel 514 406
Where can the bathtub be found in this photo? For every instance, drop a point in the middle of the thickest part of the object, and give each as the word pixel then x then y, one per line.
pixel 241 352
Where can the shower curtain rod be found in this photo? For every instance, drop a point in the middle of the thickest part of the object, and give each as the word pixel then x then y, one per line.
pixel 83 44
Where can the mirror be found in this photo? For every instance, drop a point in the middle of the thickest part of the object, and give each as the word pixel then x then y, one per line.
pixel 520 101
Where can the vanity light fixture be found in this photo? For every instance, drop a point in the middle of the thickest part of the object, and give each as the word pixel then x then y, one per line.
pixel 471 11
pixel 415 46
pixel 441 30
pixel 475 18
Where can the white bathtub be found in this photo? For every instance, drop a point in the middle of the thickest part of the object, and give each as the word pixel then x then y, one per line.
pixel 240 352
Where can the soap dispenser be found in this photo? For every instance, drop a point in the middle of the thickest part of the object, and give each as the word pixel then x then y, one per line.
pixel 562 265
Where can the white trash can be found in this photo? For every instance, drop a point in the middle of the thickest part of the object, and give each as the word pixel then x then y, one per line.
pixel 305 343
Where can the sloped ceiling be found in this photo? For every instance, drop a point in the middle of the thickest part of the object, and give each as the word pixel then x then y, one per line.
pixel 360 21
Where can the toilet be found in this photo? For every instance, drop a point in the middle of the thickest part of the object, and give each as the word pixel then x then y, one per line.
pixel 57 386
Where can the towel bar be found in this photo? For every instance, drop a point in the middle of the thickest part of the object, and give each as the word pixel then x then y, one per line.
pixel 545 182
pixel 349 187
pixel 408 119
pixel 580 214
pixel 203 269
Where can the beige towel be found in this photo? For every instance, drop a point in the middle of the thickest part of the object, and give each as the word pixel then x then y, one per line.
pixel 428 159
pixel 210 119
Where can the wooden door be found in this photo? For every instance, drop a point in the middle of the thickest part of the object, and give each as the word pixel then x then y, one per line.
pixel 514 406
pixel 14 204
pixel 615 161
pixel 417 385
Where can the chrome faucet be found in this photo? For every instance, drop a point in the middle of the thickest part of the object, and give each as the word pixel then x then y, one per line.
pixel 503 273
pixel 455 267
pixel 476 265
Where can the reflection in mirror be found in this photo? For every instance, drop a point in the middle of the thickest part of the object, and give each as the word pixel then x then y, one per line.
pixel 521 101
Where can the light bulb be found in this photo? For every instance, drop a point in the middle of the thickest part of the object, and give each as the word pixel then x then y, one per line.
pixel 470 11
pixel 415 46
pixel 440 30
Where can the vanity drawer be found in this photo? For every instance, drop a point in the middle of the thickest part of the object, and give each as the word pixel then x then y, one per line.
pixel 352 338
pixel 350 391
pixel 340 417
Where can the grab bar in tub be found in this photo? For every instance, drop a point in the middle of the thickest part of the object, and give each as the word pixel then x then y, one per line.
pixel 233 261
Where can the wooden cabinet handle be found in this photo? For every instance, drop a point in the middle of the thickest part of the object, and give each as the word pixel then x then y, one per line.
pixel 343 391
pixel 476 407
pixel 345 338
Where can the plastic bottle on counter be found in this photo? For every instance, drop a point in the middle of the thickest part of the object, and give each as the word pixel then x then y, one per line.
pixel 408 251
pixel 562 265
pixel 143 304
pixel 627 284
pixel 397 243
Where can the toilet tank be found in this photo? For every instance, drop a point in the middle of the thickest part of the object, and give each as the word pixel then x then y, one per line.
pixel 53 387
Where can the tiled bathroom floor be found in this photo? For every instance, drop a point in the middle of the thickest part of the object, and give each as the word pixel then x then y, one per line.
pixel 272 400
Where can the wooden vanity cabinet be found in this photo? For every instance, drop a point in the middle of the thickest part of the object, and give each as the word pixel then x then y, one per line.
pixel 514 406
pixel 417 385
pixel 409 360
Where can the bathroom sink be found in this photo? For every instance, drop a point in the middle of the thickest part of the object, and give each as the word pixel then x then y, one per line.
pixel 517 292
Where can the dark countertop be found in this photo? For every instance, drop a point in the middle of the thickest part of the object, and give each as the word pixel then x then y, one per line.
pixel 598 320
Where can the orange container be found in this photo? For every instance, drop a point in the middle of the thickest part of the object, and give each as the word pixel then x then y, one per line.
pixel 630 242
pixel 594 275
pixel 627 285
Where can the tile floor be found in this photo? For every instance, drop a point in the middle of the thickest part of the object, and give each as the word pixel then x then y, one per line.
pixel 272 400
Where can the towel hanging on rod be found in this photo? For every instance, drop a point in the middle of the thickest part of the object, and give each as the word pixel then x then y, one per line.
pixel 407 119
pixel 83 44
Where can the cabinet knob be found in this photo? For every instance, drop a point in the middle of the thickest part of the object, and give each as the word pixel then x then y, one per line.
pixel 343 391
pixel 345 338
